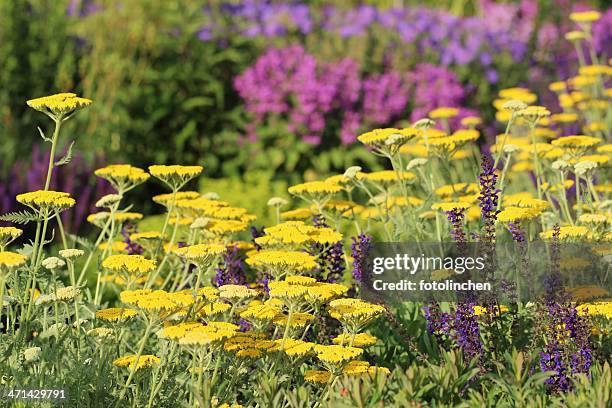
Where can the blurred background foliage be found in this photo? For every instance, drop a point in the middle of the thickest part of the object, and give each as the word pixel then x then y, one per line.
pixel 164 78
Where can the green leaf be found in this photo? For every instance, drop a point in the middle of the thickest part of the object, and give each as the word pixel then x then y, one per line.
pixel 67 157
pixel 42 134
pixel 19 217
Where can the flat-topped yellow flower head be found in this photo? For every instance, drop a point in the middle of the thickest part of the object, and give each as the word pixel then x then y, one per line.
pixel 354 313
pixel 388 139
pixel 11 260
pixel 8 235
pixel 281 262
pixel 134 264
pixel 166 199
pixel 585 17
pixel 175 176
pixel 137 362
pixel 46 200
pixel 443 112
pixel 315 189
pixel 60 105
pixel 576 142
pixel 201 252
pixel 123 177
pixel 115 314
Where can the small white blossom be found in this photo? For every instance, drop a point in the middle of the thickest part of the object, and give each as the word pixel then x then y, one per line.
pixel 71 253
pixel 31 354
pixel 53 262
pixel 351 172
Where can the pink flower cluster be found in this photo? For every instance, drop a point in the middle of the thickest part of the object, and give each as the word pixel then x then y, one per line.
pixel 334 100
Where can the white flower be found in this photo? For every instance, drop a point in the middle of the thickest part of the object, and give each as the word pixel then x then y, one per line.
pixel 510 148
pixel 584 167
pixel 277 202
pixel 424 123
pixel 200 222
pixel 560 165
pixel 351 172
pixel 31 354
pixel 211 196
pixel 53 262
pixel 67 293
pixel 414 163
pixel 101 332
pixel 71 253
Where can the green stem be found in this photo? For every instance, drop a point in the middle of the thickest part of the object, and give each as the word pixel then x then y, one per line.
pixel 134 366
pixel 58 125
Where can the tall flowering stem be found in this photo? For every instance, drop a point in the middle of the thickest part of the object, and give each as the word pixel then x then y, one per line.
pixel 360 249
pixel 230 271
pixel 488 199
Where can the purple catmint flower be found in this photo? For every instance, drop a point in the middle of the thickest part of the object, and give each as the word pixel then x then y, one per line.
pixel 330 258
pixel 466 331
pixel 455 217
pixel 518 235
pixel 488 199
pixel 360 249
pixel 132 247
pixel 231 270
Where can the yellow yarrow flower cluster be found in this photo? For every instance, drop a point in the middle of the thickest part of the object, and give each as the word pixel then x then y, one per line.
pixel 58 106
pixel 235 293
pixel 123 177
pixel 286 291
pixel 576 142
pixel 166 199
pixel 8 235
pixel 46 200
pixel 201 252
pixel 115 314
pixel 158 301
pixel 315 189
pixel 443 113
pixel 145 236
pixel 135 264
pixel 516 214
pixel 354 313
pixel 224 227
pixel 358 367
pixel 175 176
pixel 585 16
pixel 317 376
pixel 11 260
pixel 297 233
pixel 260 312
pixel 248 344
pixel 603 308
pixel 134 362
pixel 282 260
pixel 386 176
pixel 211 334
pixel 388 137
pixel 456 189
pixel 566 232
pixel 298 320
pixel 360 340
pixel 297 214
pixel 336 355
